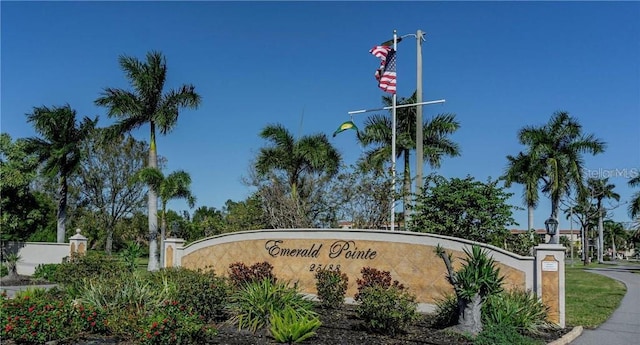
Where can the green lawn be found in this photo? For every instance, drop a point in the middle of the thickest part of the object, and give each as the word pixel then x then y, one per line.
pixel 590 298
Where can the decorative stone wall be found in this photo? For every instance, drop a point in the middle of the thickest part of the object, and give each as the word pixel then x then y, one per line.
pixel 297 254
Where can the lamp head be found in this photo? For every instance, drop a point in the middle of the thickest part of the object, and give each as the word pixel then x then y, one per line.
pixel 551 225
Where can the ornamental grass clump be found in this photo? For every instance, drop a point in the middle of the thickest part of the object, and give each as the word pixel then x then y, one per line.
pixel 520 309
pixel 252 305
pixel 332 287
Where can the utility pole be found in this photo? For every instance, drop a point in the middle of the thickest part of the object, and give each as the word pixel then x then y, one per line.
pixel 419 126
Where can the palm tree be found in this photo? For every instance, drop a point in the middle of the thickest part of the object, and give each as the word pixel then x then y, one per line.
pixel 174 186
pixel 558 147
pixel 147 104
pixel 524 170
pixel 378 133
pixel 616 233
pixel 296 159
pixel 58 149
pixel 634 206
pixel 601 189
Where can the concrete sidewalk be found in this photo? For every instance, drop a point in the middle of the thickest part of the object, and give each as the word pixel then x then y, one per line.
pixel 11 290
pixel 623 327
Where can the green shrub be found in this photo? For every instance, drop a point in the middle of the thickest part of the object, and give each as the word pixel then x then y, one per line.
pixel 503 335
pixel 252 305
pixel 75 270
pixel 519 309
pixel 240 274
pixel 373 277
pixel 386 309
pixel 446 313
pixel 173 324
pixel 46 271
pixel 332 287
pixel 289 326
pixel 202 291
pixel 3 270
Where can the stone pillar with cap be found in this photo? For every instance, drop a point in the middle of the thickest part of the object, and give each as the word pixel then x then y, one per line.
pixel 77 244
pixel 550 283
pixel 173 252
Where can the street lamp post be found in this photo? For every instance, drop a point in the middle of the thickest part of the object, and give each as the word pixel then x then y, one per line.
pixel 551 225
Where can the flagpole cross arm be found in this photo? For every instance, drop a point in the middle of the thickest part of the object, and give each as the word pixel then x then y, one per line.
pixel 354 112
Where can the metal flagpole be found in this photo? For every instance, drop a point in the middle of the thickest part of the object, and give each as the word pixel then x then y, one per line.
pixel 419 134
pixel 393 141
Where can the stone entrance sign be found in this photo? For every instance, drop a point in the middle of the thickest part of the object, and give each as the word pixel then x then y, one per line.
pixel 297 254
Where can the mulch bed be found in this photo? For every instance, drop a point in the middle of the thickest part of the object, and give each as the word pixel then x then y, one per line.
pixel 339 327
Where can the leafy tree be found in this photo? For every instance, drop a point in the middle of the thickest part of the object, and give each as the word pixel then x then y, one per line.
pixel 377 134
pixel 558 147
pixel 58 149
pixel 463 208
pixel 176 185
pixel 288 172
pixel 147 104
pixel 25 211
pixel 105 180
pixel 361 196
pixel 601 189
pixel 244 215
pixel 206 222
pixel 523 170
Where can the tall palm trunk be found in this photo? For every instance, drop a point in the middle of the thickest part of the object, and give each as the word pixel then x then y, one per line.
pixel 163 232
pixel 555 210
pixel 407 189
pixel 600 233
pixel 152 200
pixel 530 210
pixel 62 208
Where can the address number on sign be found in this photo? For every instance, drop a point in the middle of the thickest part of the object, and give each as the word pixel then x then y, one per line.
pixel 320 267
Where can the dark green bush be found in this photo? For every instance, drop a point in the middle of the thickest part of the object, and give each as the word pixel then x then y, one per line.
pixel 241 274
pixel 386 309
pixel 77 268
pixel 503 335
pixel 200 290
pixel 46 271
pixel 3 270
pixel 332 287
pixel 373 277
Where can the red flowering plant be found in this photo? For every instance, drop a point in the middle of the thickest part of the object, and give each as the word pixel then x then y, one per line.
pixel 172 323
pixel 35 319
pixel 90 319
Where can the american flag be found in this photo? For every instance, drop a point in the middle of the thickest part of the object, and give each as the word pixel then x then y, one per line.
pixel 386 73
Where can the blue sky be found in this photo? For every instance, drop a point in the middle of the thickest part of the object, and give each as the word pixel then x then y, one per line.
pixel 499 65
